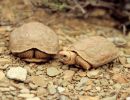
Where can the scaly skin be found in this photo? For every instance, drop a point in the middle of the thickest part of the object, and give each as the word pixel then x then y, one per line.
pixel 70 57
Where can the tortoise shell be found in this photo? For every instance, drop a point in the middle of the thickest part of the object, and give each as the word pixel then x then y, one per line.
pixel 95 50
pixel 34 42
pixel 33 35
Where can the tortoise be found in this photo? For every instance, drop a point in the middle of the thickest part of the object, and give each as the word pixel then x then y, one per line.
pixel 34 42
pixel 89 52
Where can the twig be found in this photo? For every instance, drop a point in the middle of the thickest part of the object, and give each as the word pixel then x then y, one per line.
pixel 79 6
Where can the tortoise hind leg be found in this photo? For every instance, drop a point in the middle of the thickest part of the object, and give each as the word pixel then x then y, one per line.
pixel 81 62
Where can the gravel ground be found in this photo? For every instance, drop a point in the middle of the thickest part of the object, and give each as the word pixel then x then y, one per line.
pixel 53 80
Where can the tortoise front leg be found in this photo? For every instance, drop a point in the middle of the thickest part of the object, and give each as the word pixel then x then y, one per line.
pixel 81 62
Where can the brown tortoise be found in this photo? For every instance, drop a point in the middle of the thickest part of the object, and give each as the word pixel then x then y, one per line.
pixel 89 52
pixel 34 42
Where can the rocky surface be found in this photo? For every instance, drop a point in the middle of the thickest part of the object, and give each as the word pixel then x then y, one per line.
pixel 53 80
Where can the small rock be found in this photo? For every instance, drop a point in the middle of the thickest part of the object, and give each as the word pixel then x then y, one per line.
pixel 120 78
pixel 98 88
pixel 34 98
pixel 127 65
pixel 4 89
pixel 12 88
pixel 2 50
pixel 63 97
pixel 41 91
pixel 127 98
pixel 127 51
pixel 33 86
pixel 17 73
pixel 65 67
pixel 5 60
pixel 2 75
pixel 93 73
pixel 4 66
pixel 82 82
pixel 26 95
pixel 119 41
pixel 51 88
pixel 25 90
pixel 68 74
pixel 38 80
pixel 52 71
pixel 128 60
pixel 74 69
pixel 88 98
pixel 2 44
pixel 82 74
pixel 115 70
pixel 6 29
pixel 89 87
pixel 122 60
pixel 117 86
pixel 60 89
pixel 110 98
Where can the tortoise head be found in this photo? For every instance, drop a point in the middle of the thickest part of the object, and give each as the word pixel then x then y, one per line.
pixel 67 57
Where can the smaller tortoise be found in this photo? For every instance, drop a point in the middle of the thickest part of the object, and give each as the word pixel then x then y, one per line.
pixel 89 52
pixel 34 42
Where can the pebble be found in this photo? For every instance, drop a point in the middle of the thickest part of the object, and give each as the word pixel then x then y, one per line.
pixel 34 98
pixel 117 86
pixel 127 65
pixel 127 98
pixel 25 90
pixel 120 78
pixel 68 75
pixel 122 60
pixel 33 86
pixel 41 91
pixel 17 73
pixel 4 84
pixel 26 95
pixel 52 71
pixel 6 28
pixel 82 82
pixel 110 98
pixel 4 89
pixel 98 88
pixel 119 41
pixel 70 86
pixel 128 60
pixel 65 67
pixel 2 75
pixel 5 60
pixel 88 98
pixel 39 80
pixel 93 73
pixel 51 88
pixel 82 74
pixel 2 50
pixel 4 66
pixel 60 89
pixel 12 88
pixel 63 97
